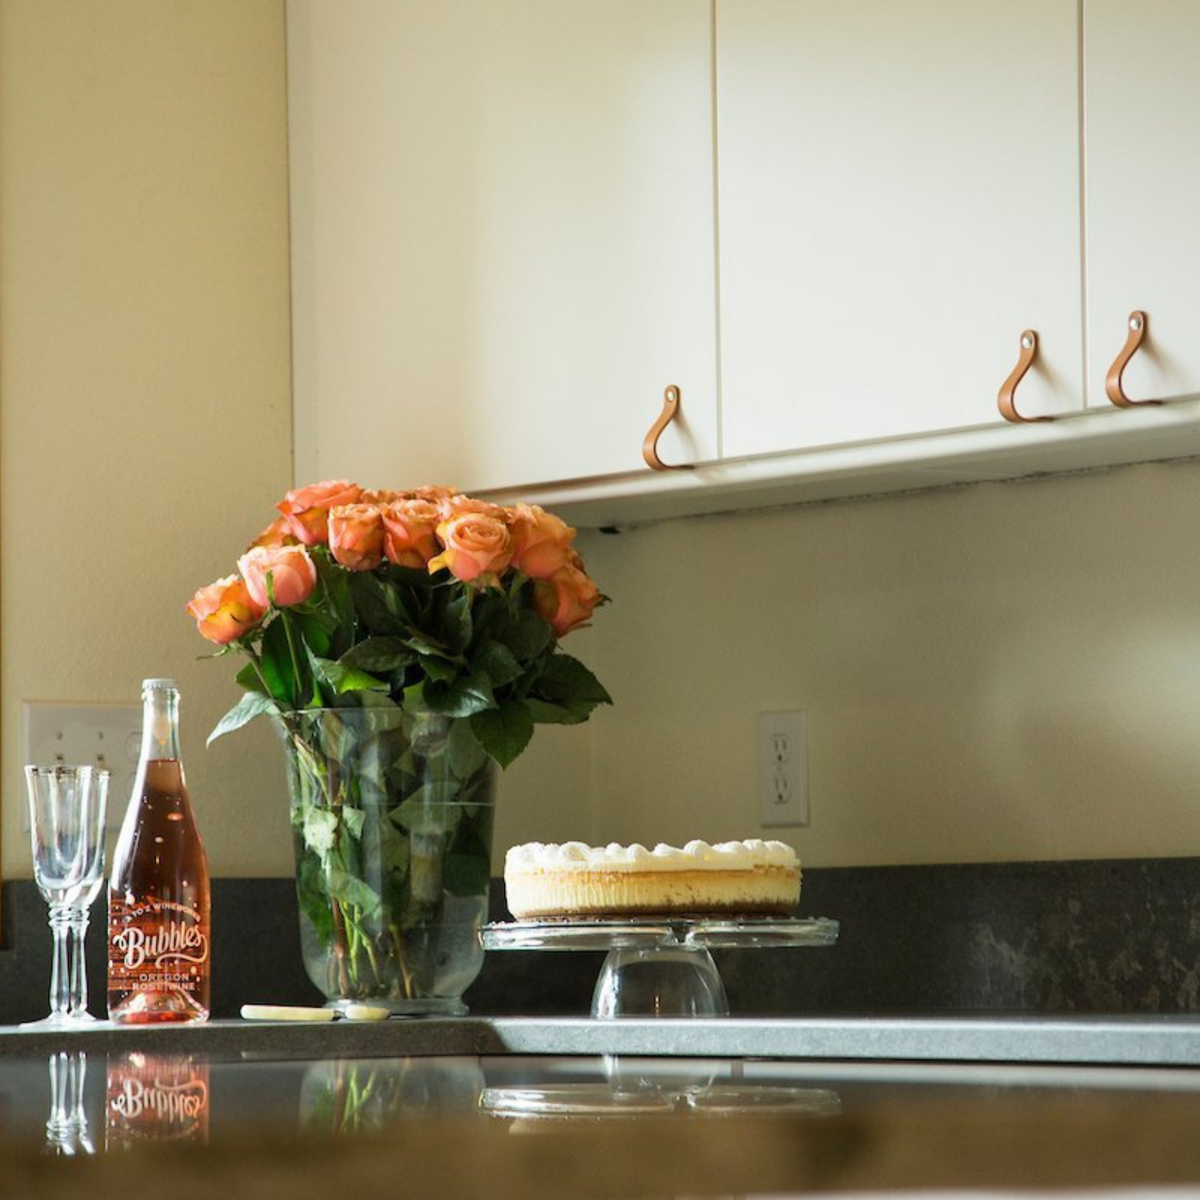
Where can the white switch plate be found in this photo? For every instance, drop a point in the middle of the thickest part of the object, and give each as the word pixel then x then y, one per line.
pixel 783 768
pixel 107 735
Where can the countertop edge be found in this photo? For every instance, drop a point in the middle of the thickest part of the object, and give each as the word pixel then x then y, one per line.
pixel 1171 1040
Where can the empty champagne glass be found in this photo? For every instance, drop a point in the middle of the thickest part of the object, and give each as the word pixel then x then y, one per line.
pixel 66 835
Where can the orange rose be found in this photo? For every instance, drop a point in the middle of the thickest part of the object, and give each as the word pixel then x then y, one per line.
pixel 225 610
pixel 567 599
pixel 455 504
pixel 278 533
pixel 292 572
pixel 306 509
pixel 356 536
pixel 380 496
pixel 409 532
pixel 477 548
pixel 541 541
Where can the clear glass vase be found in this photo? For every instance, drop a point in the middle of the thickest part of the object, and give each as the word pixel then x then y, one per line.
pixel 392 824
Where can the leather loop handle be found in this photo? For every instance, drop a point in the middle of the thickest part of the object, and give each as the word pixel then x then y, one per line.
pixel 670 410
pixel 1113 387
pixel 1007 400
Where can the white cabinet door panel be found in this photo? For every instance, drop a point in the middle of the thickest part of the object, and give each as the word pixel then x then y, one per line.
pixel 1143 192
pixel 899 198
pixel 503 236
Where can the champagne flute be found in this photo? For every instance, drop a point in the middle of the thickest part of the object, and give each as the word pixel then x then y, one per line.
pixel 66 835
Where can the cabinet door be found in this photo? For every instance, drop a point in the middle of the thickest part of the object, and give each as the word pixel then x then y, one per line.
pixel 1143 192
pixel 899 199
pixel 503 236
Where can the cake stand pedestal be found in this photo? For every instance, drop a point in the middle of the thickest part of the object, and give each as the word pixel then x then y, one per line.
pixel 659 966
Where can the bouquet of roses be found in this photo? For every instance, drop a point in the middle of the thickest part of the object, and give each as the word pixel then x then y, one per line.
pixel 427 599
pixel 404 643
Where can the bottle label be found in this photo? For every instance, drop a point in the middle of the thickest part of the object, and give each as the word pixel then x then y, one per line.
pixel 156 946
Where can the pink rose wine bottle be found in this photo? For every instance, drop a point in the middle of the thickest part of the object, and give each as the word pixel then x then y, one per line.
pixel 158 893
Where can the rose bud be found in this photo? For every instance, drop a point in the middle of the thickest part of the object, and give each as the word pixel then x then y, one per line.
pixel 225 610
pixel 541 541
pixel 567 599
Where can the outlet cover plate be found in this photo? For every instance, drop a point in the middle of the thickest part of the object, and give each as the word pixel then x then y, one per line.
pixel 108 735
pixel 783 768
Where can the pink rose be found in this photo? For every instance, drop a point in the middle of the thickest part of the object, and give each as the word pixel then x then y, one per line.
pixel 541 541
pixel 410 532
pixel 477 548
pixel 293 574
pixel 225 610
pixel 306 509
pixel 356 536
pixel 567 599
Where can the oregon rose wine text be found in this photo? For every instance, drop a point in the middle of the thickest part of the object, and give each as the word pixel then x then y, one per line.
pixel 158 896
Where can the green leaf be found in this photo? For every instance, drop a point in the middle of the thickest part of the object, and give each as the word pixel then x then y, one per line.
pixel 379 655
pixel 566 683
pixel 499 663
pixel 353 819
pixel 349 889
pixel 524 633
pixel 505 731
pixel 251 705
pixel 545 713
pixel 462 697
pixel 465 754
pixel 341 678
pixel 319 828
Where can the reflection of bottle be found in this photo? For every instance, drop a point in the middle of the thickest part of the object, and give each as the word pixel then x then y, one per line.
pixel 156 1098
pixel 158 895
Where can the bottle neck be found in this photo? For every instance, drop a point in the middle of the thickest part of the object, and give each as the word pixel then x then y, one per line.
pixel 160 724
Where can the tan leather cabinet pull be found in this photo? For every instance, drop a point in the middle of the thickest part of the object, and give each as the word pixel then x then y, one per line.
pixel 1007 400
pixel 1113 386
pixel 670 410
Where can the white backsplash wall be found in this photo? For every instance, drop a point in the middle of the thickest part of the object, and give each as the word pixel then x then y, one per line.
pixel 1002 671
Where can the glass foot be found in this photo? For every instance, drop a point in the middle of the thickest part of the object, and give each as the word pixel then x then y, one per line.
pixel 61 1021
pixel 659 981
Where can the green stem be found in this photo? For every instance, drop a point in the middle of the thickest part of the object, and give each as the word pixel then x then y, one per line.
pixel 287 629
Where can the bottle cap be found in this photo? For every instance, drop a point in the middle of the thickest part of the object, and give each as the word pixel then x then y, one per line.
pixel 158 684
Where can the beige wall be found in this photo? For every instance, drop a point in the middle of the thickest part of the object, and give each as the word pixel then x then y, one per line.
pixel 144 367
pixel 1004 671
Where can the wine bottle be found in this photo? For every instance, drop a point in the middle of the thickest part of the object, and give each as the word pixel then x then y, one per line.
pixel 158 895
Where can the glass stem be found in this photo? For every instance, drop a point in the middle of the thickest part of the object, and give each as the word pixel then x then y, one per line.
pixel 78 978
pixel 60 971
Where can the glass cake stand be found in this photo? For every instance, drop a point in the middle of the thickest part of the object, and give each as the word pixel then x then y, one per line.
pixel 659 966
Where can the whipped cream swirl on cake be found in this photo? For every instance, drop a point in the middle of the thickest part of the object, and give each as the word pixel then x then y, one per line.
pixel 747 878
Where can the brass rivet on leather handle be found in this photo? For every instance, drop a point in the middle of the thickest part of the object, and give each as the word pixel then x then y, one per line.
pixel 1007 400
pixel 1113 386
pixel 670 410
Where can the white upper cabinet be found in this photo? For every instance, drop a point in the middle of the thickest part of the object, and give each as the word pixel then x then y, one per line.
pixel 1143 192
pixel 899 198
pixel 503 244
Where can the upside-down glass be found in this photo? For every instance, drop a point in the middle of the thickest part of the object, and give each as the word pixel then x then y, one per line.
pixel 66 835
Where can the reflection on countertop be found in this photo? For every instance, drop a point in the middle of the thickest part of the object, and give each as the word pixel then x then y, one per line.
pixel 591 1126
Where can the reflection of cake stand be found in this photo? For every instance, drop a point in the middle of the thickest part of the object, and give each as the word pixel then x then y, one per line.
pixel 659 966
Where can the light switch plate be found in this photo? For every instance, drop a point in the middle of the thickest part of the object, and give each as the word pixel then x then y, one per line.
pixel 106 735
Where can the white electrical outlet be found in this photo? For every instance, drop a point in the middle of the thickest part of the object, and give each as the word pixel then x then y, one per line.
pixel 783 768
pixel 107 735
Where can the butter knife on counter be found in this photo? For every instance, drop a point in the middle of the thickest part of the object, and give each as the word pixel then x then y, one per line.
pixel 298 1012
